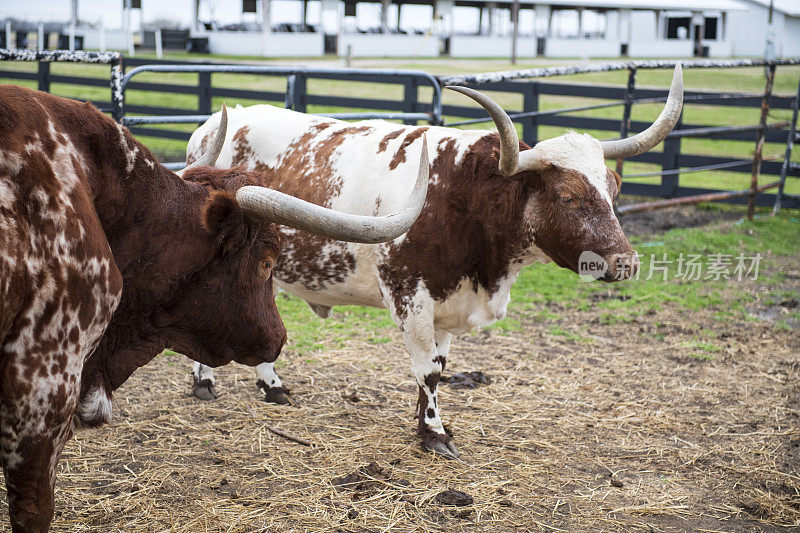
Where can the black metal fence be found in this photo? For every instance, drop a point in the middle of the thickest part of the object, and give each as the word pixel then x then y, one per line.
pixel 44 79
pixel 296 96
pixel 673 160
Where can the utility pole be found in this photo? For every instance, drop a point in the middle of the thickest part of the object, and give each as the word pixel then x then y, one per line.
pixel 515 21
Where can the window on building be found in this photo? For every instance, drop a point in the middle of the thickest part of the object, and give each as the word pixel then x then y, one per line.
pixel 595 24
pixel 711 28
pixel 565 23
pixel 674 25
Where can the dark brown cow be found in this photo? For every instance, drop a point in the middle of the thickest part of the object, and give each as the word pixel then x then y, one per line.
pixel 103 251
pixel 494 206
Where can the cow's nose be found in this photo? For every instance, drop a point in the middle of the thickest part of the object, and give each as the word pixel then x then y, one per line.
pixel 621 266
pixel 274 348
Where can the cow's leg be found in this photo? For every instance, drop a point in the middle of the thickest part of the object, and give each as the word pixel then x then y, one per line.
pixel 266 379
pixel 203 387
pixel 34 427
pixel 428 350
pixel 271 385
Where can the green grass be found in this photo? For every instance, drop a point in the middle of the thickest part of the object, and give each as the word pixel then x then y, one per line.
pixel 307 331
pixel 768 236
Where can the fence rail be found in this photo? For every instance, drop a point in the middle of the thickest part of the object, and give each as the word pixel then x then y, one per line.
pixel 674 159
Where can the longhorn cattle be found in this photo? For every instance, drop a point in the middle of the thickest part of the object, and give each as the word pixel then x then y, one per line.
pixel 107 257
pixel 494 206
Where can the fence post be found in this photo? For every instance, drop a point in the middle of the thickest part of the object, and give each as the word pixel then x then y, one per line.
pixel 203 93
pixel 669 161
pixel 530 103
pixel 43 76
pixel 117 94
pixel 288 99
pixel 788 156
pixel 300 93
pixel 410 95
pixel 296 93
pixel 159 46
pixel 625 123
pixel 751 200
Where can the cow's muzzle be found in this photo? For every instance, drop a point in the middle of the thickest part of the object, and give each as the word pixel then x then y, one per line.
pixel 268 353
pixel 621 266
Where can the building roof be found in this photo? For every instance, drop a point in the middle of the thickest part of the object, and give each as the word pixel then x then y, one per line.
pixel 678 5
pixel 787 7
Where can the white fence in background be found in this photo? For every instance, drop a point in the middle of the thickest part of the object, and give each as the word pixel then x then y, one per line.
pixel 582 48
pixel 490 46
pixel 389 45
pixel 287 44
pixel 271 44
pixel 660 48
pixel 103 39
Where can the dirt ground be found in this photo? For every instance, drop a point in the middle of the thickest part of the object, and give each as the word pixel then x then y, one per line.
pixel 688 216
pixel 621 427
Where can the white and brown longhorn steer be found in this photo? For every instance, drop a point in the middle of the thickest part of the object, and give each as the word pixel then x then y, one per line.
pixel 494 206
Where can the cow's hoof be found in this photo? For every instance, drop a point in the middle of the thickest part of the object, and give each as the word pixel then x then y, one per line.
pixel 204 390
pixel 438 446
pixel 278 395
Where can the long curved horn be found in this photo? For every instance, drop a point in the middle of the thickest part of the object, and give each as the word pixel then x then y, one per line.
pixel 273 206
pixel 509 141
pixel 658 131
pixel 210 156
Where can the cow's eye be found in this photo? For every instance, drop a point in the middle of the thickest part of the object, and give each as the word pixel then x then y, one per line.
pixel 566 199
pixel 267 265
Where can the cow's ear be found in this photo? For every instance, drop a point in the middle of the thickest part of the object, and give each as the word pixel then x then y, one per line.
pixel 617 179
pixel 225 220
pixel 163 317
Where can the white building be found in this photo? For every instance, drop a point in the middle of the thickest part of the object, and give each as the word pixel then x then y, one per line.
pixel 608 28
pixel 547 28
pixel 752 27
pixel 465 28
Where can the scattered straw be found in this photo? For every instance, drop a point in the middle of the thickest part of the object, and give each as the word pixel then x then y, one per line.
pixel 614 428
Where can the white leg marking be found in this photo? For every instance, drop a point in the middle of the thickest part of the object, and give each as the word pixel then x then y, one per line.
pixel 201 372
pixel 420 339
pixel 266 373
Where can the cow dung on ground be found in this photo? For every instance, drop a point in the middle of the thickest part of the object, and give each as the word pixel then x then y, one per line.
pixel 617 428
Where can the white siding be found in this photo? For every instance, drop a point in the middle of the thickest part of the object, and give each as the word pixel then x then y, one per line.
pixel 583 48
pixel 253 43
pixel 791 37
pixel 389 45
pixel 114 39
pixel 660 48
pixel 748 30
pixel 490 46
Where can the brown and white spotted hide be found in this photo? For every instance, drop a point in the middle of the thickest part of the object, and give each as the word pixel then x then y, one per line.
pixel 59 286
pixel 106 258
pixel 453 270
